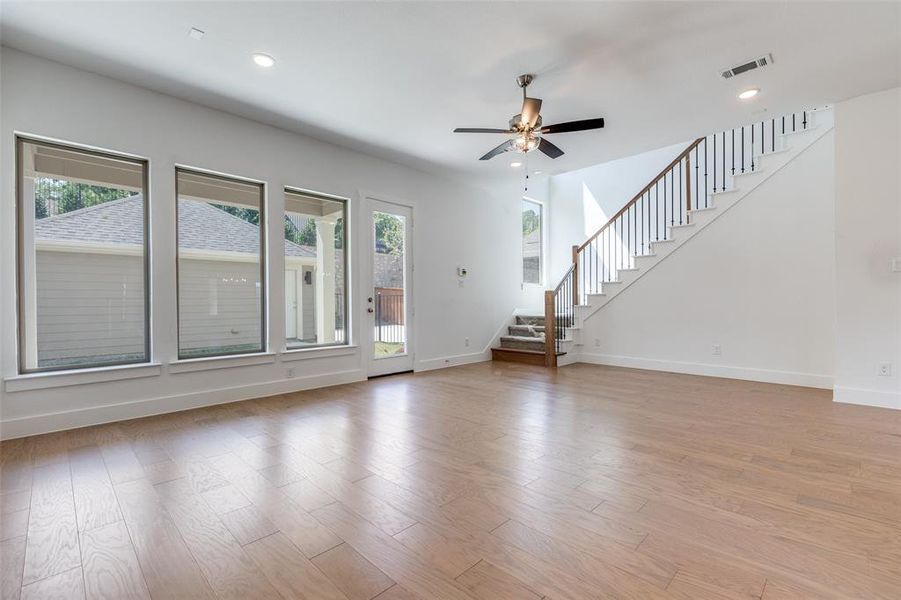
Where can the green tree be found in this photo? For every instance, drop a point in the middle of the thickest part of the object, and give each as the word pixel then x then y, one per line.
pixel 389 234
pixel 531 221
pixel 58 196
pixel 306 236
pixel 251 215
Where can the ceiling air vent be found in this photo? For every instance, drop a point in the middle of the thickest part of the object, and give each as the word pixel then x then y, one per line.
pixel 757 63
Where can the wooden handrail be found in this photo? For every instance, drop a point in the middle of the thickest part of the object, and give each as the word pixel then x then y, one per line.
pixel 638 196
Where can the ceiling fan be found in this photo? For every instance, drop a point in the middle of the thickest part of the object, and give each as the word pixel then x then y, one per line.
pixel 527 130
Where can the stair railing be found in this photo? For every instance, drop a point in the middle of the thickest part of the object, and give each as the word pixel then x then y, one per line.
pixel 707 166
pixel 559 311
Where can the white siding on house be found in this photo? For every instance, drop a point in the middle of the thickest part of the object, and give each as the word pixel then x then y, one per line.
pixel 219 306
pixel 90 308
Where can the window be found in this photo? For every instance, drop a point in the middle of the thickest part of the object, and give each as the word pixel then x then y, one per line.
pixel 82 258
pixel 532 247
pixel 315 270
pixel 220 265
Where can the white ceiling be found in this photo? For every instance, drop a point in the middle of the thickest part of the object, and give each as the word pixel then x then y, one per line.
pixel 394 79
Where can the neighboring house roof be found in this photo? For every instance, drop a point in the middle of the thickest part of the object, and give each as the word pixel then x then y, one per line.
pixel 201 226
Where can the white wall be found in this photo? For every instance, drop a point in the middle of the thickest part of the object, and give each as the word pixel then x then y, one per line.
pixel 582 201
pixel 454 224
pixel 758 282
pixel 867 237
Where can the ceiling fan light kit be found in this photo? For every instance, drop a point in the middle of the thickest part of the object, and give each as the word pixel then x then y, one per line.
pixel 527 130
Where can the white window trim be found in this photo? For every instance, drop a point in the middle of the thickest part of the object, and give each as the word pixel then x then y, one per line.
pixel 318 352
pixel 209 363
pixel 52 379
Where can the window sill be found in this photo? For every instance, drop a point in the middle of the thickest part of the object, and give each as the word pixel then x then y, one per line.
pixel 191 365
pixel 320 352
pixel 52 379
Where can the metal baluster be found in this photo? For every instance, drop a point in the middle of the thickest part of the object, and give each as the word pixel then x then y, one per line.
pixel 714 162
pixel 664 207
pixel 672 197
pixel 733 151
pixel 723 170
pixel 793 122
pixel 752 146
pixel 773 135
pixel 805 119
pixel 657 209
pixel 639 209
pixel 742 148
pixel 762 139
pixel 697 176
pixel 706 188
pixel 679 166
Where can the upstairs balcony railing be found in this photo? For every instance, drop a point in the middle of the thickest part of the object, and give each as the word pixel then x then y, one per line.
pixel 706 167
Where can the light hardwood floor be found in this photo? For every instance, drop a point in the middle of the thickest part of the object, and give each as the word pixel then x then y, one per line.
pixel 488 481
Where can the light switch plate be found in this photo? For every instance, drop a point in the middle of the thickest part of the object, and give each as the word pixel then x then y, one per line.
pixel 896 264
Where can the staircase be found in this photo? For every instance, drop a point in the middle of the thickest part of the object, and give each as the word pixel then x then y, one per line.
pixel 525 341
pixel 704 181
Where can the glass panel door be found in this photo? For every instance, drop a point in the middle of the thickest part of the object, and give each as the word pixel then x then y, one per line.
pixel 388 298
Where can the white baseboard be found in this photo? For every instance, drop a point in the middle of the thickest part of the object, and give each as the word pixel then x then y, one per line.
pixel 864 397
pixel 96 415
pixel 452 361
pixel 726 371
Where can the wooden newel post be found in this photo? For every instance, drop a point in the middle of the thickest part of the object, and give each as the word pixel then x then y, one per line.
pixel 550 330
pixel 575 275
pixel 687 185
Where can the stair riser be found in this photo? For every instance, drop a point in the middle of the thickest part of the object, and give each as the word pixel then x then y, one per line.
pixel 498 354
pixel 530 320
pixel 526 330
pixel 537 345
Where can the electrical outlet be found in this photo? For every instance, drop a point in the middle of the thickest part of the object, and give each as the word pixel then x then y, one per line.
pixel 885 370
pixel 290 372
pixel 466 342
pixel 716 350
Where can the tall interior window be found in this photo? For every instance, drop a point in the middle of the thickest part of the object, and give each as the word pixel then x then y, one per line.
pixel 532 225
pixel 220 265
pixel 315 270
pixel 82 258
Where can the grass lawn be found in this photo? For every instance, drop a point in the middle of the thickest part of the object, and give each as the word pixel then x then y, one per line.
pixel 383 349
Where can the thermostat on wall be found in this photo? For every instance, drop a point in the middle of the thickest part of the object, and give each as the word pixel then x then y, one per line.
pixel 462 271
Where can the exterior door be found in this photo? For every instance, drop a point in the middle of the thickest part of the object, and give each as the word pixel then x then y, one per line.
pixel 389 310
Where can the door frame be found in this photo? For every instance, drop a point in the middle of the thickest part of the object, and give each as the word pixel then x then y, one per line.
pixel 376 367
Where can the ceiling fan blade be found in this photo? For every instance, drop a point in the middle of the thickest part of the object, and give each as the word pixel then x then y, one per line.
pixel 569 126
pixel 480 130
pixel 549 149
pixel 505 147
pixel 530 109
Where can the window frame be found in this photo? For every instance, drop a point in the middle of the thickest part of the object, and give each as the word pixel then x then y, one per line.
pixel 264 283
pixel 541 245
pixel 288 189
pixel 20 141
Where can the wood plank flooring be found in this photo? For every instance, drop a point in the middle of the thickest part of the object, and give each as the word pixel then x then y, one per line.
pixel 487 481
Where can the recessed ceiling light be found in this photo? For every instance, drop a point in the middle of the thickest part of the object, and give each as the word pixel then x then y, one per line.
pixel 516 164
pixel 263 60
pixel 748 94
pixel 538 172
